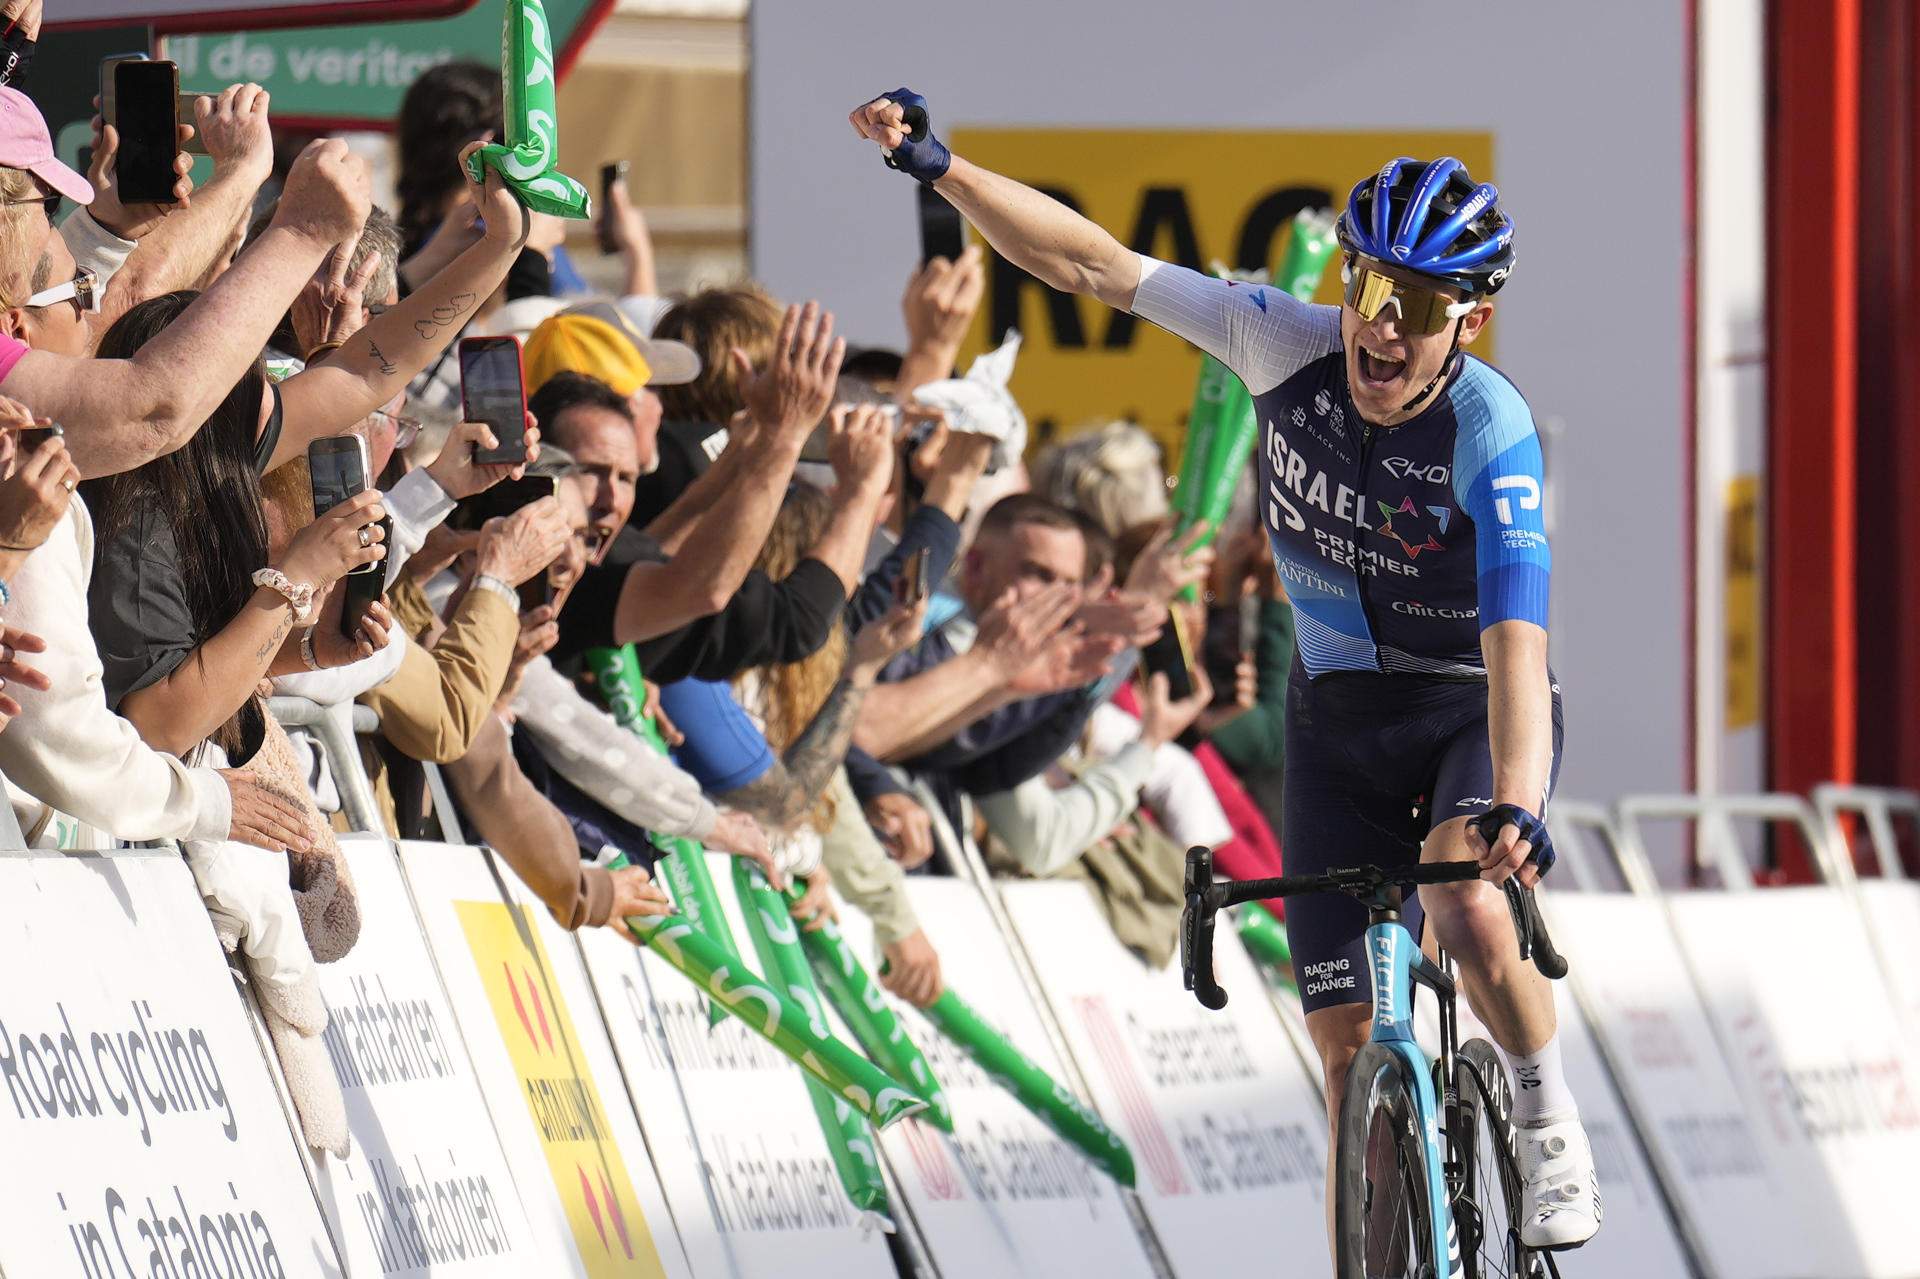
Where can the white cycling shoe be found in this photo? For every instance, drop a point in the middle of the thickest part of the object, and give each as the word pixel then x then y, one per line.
pixel 1559 1193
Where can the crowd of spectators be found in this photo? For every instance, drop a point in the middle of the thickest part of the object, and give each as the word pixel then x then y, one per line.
pixel 750 502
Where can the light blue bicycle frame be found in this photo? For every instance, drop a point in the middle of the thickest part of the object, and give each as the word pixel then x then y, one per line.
pixel 1394 959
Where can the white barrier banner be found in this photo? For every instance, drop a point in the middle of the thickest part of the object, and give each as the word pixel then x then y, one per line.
pixel 1002 1195
pixel 1796 997
pixel 1226 1128
pixel 559 1117
pixel 1739 1191
pixel 142 1131
pixel 1893 910
pixel 426 1188
pixel 1637 1236
pixel 740 1154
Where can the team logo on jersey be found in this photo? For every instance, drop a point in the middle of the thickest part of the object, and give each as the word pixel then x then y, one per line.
pixel 1407 469
pixel 1411 534
pixel 1526 491
pixel 1321 403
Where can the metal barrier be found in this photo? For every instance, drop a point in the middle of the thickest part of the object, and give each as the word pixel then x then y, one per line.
pixel 1713 817
pixel 343 760
pixel 1576 825
pixel 1877 806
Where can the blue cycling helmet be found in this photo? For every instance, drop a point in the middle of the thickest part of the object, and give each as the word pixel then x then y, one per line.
pixel 1432 219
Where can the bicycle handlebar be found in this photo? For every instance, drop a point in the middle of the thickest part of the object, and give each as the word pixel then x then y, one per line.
pixel 1205 897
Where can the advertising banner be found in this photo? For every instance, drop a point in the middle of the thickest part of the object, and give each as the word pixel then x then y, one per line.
pixel 1820 1056
pixel 208 15
pixel 142 1132
pixel 740 1155
pixel 1724 1166
pixel 560 1119
pixel 1001 1195
pixel 1638 1236
pixel 426 1188
pixel 1228 1130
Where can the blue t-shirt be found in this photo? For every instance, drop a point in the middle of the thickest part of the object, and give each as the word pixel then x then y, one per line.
pixel 723 750
pixel 1398 545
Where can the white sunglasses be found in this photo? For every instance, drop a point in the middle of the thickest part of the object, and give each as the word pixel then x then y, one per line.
pixel 83 289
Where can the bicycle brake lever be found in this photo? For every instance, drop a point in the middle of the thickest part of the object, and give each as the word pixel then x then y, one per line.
pixel 1196 931
pixel 1535 944
pixel 1522 917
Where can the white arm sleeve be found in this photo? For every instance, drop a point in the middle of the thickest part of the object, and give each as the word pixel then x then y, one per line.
pixel 1176 788
pixel 1262 333
pixel 585 746
pixel 1047 829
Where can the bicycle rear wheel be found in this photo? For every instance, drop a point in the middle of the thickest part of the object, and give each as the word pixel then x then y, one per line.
pixel 1486 1207
pixel 1383 1218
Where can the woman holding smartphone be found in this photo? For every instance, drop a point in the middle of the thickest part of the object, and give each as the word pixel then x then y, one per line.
pixel 188 611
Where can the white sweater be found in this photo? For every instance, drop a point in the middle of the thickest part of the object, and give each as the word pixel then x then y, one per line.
pixel 67 750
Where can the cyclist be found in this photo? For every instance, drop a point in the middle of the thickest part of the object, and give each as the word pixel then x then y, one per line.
pixel 1400 481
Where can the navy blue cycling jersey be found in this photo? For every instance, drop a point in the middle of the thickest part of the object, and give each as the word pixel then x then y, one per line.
pixel 1400 545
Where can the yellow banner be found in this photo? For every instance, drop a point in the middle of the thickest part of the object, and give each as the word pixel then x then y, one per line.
pixel 1188 196
pixel 602 1210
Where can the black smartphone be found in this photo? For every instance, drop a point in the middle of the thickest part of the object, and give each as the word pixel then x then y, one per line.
pixel 941 234
pixel 913 585
pixel 32 437
pixel 1170 655
pixel 493 389
pixel 338 465
pixel 146 106
pixel 501 500
pixel 603 225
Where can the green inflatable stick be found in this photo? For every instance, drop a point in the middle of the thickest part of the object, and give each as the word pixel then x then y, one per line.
pixel 1266 940
pixel 616 673
pixel 777 942
pixel 772 1016
pixel 526 161
pixel 1013 1070
pixel 1222 428
pixel 876 1028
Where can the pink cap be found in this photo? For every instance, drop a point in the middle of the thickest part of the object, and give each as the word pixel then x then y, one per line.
pixel 25 144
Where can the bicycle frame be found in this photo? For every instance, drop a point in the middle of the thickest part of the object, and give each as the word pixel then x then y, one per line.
pixel 1394 962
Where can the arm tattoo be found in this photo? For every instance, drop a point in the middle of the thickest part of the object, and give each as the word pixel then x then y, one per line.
pixel 387 367
pixel 272 643
pixel 785 793
pixel 443 315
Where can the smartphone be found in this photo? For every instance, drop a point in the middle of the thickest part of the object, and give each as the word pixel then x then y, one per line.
pixel 603 225
pixel 1170 655
pixel 493 389
pixel 913 586
pixel 338 465
pixel 32 437
pixel 146 106
pixel 941 233
pixel 502 499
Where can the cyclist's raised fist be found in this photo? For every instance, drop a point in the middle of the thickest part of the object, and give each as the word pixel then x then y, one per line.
pixel 899 122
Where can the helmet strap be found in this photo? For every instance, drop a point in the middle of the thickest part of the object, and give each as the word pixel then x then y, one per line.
pixel 1446 366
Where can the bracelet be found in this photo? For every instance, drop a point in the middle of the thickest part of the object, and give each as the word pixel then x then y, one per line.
pixel 306 651
pixel 299 595
pixel 323 350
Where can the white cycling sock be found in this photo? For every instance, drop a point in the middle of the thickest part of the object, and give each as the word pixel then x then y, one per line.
pixel 1540 1092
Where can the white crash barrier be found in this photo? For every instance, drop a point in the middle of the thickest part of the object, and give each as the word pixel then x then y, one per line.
pixel 545 1067
pixel 1738 1191
pixel 1891 902
pixel 1002 1195
pixel 1227 1129
pixel 142 1131
pixel 741 1157
pixel 426 1186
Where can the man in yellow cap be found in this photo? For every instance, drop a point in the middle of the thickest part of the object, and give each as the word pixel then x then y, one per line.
pixel 597 340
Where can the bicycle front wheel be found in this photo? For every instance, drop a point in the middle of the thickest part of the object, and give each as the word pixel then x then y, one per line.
pixel 1382 1215
pixel 1486 1206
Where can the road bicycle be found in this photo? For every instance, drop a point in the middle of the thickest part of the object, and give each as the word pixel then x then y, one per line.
pixel 1424 1172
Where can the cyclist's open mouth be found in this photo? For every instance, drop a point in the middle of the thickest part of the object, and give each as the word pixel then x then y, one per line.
pixel 1380 370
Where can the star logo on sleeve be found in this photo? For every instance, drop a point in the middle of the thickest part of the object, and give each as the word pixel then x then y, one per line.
pixel 1412 535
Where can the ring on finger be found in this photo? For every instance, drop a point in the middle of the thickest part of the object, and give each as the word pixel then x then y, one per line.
pixel 366 536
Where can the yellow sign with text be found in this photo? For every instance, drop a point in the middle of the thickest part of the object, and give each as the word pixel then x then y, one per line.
pixel 1195 197
pixel 603 1212
pixel 1742 657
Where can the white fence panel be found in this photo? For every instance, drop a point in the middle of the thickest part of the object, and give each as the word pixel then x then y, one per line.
pixel 426 1188
pixel 1225 1125
pixel 140 1122
pixel 560 1116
